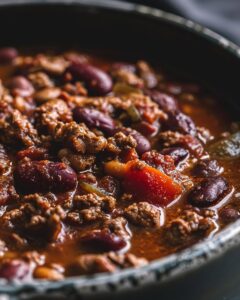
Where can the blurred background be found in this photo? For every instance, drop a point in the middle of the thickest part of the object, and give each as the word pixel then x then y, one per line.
pixel 223 16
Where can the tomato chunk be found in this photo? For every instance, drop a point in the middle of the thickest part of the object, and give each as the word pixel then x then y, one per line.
pixel 145 183
pixel 149 184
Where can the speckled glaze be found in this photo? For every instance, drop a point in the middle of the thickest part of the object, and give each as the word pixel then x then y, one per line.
pixel 191 272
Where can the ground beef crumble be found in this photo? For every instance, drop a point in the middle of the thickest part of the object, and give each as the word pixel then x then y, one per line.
pixel 143 214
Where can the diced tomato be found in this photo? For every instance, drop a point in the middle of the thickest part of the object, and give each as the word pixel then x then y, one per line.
pixel 148 184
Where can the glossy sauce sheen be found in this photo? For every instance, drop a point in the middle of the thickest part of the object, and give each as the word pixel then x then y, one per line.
pixel 181 223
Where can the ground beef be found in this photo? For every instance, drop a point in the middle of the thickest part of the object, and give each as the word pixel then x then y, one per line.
pixel 78 162
pixel 143 214
pixel 79 138
pixel 120 142
pixel 89 208
pixel 188 225
pixel 7 189
pixel 15 129
pixel 40 80
pixel 35 219
pixel 118 226
pixel 49 113
pixel 165 163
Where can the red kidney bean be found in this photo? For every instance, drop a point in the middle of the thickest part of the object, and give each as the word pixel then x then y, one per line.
pixel 7 55
pixel 178 121
pixel 94 119
pixel 20 86
pixel 14 269
pixel 146 128
pixel 166 102
pixel 143 143
pixel 192 144
pixel 208 192
pixel 229 214
pixel 177 153
pixel 41 176
pixel 207 168
pixel 97 81
pixel 104 240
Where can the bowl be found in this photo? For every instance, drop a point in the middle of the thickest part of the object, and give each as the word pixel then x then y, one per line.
pixel 207 270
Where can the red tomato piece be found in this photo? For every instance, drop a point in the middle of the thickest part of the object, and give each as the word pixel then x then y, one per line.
pixel 146 183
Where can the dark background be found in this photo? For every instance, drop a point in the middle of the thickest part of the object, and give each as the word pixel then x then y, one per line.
pixel 223 16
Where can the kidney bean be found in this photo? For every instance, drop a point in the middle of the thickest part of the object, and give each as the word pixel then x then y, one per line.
pixel 166 102
pixel 7 55
pixel 146 128
pixel 94 119
pixel 229 214
pixel 177 153
pixel 97 81
pixel 178 121
pixel 192 144
pixel 207 168
pixel 208 192
pixel 40 176
pixel 20 86
pixel 143 143
pixel 104 240
pixel 14 269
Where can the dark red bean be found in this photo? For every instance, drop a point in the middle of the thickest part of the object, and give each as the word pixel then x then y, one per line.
pixel 143 143
pixel 229 214
pixel 43 176
pixel 104 240
pixel 178 121
pixel 192 144
pixel 94 119
pixel 208 192
pixel 177 153
pixel 14 269
pixel 20 86
pixel 146 128
pixel 207 168
pixel 7 55
pixel 166 102
pixel 97 81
